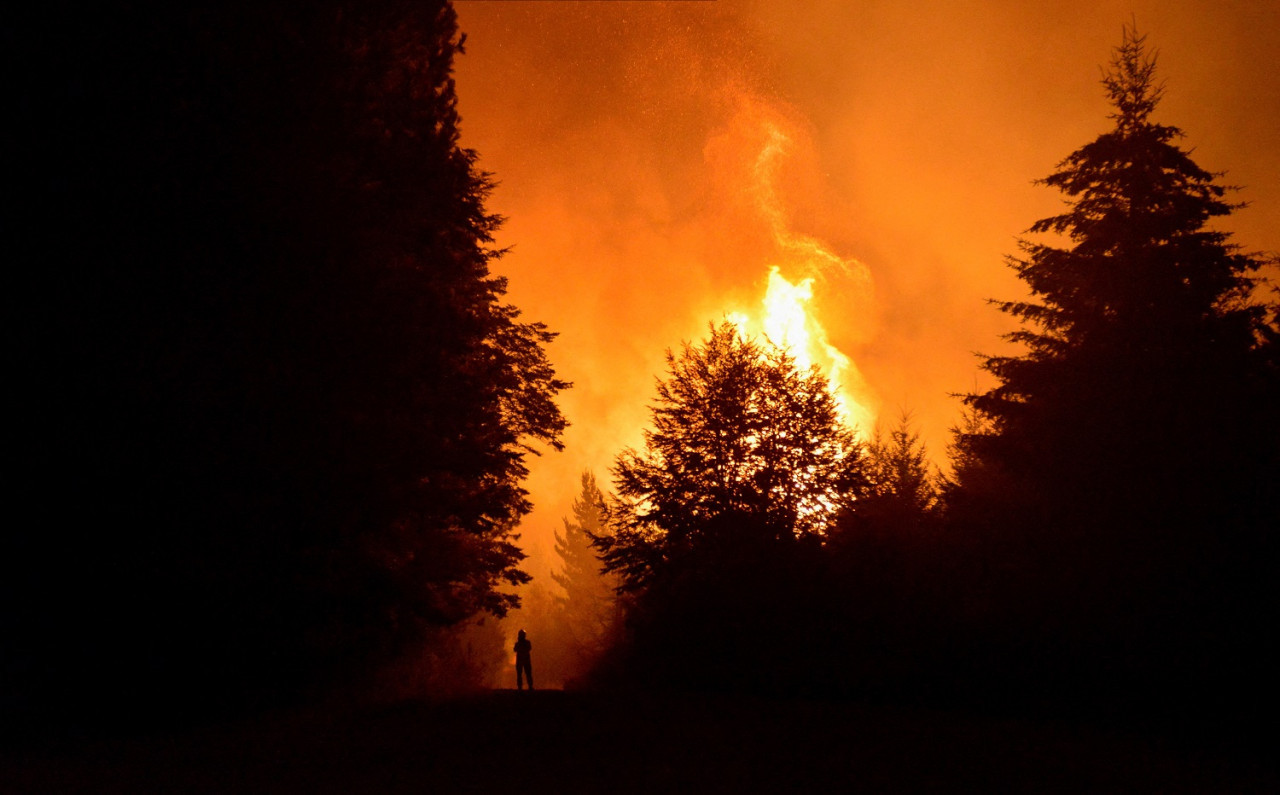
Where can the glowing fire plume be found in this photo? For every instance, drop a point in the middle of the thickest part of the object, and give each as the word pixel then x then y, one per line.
pixel 787 322
pixel 786 317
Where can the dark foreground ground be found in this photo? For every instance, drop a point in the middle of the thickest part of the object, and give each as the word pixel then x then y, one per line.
pixel 586 742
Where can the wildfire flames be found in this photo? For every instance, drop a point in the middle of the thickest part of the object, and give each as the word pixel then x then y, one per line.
pixel 663 165
pixel 786 316
pixel 786 321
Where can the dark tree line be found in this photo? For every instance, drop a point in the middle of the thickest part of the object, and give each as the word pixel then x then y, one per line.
pixel 1106 537
pixel 274 409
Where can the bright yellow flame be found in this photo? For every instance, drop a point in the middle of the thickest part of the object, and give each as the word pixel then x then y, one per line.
pixel 786 321
pixel 787 318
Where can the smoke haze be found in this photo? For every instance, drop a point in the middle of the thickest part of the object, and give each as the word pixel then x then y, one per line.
pixel 627 140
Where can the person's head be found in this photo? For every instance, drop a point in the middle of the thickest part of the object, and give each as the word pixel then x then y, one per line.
pixel 520 635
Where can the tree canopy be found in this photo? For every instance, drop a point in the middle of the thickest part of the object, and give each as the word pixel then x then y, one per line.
pixel 745 449
pixel 442 385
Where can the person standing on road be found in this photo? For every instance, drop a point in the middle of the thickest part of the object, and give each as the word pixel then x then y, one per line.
pixel 524 664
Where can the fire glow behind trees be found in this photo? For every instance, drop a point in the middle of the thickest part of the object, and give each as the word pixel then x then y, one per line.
pixel 655 160
pixel 273 403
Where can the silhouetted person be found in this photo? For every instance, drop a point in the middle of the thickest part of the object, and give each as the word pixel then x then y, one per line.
pixel 524 665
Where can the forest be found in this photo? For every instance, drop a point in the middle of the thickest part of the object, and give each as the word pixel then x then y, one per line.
pixel 276 411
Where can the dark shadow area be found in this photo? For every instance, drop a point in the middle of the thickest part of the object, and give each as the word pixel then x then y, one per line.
pixel 268 400
pixel 592 742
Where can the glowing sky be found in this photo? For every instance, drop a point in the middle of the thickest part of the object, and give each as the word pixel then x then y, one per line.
pixel 629 138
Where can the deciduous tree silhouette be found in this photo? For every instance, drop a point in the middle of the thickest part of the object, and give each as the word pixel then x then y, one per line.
pixel 745 448
pixel 720 519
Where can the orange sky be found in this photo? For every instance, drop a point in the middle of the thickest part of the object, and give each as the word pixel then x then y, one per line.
pixel 627 138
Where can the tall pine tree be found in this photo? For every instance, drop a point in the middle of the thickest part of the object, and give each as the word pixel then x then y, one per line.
pixel 1123 458
pixel 589 606
pixel 442 388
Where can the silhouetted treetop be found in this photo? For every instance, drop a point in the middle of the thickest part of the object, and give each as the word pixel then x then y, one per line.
pixel 899 469
pixel 744 449
pixel 580 575
pixel 1118 480
pixel 589 607
pixel 1144 284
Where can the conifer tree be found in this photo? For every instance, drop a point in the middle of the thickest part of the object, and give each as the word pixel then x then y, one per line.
pixel 901 476
pixel 1120 474
pixel 884 552
pixel 1140 330
pixel 432 389
pixel 457 387
pixel 589 605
